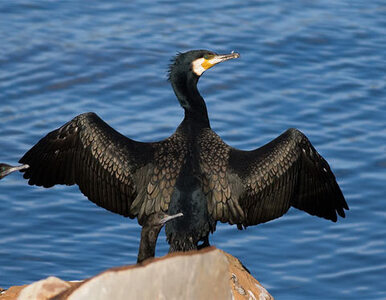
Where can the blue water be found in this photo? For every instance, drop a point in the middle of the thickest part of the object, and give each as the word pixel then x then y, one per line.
pixel 319 66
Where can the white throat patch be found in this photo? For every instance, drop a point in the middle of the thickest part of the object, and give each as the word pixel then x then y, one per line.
pixel 197 66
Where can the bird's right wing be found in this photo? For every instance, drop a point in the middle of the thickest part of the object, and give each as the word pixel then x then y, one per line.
pixel 108 167
pixel 252 187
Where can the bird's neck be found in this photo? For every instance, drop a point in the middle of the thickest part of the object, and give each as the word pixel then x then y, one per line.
pixel 185 88
pixel 149 235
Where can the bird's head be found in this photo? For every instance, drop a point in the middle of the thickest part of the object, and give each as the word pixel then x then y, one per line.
pixel 184 72
pixel 196 62
pixel 6 169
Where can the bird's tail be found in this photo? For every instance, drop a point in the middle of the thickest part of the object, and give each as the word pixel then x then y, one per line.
pixel 6 169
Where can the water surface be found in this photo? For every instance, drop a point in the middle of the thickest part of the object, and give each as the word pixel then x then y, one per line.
pixel 319 66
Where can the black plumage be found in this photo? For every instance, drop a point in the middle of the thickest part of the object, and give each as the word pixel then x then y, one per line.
pixel 192 172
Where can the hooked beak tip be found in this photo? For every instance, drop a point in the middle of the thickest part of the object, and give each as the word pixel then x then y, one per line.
pixel 235 54
pixel 232 55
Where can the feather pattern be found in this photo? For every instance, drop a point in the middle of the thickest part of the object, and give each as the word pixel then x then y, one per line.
pixel 262 184
pixel 113 171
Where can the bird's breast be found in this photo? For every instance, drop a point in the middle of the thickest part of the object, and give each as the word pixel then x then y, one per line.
pixel 188 198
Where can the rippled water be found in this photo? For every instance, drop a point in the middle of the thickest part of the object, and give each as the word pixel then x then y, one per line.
pixel 319 66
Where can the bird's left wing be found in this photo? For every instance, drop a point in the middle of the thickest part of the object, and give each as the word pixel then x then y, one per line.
pixel 107 166
pixel 252 187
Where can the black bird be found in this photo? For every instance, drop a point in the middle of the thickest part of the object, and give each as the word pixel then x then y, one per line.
pixel 193 172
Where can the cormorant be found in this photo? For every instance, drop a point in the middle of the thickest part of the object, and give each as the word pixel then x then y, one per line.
pixel 193 172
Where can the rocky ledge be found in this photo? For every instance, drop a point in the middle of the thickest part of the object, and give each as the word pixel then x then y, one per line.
pixel 206 274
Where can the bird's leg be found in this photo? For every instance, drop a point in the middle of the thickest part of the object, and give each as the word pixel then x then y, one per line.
pixel 7 169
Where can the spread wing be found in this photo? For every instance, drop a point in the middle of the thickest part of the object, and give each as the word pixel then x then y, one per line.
pixel 107 166
pixel 252 187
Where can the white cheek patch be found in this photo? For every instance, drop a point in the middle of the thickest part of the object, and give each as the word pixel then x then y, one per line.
pixel 197 66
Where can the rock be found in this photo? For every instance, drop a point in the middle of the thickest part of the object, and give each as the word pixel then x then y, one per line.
pixel 11 293
pixel 191 275
pixel 206 274
pixel 243 284
pixel 44 289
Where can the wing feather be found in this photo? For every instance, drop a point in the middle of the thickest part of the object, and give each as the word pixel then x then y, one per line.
pixel 304 180
pixel 90 153
pixel 266 182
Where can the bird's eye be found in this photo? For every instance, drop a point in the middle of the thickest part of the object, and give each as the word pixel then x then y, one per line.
pixel 208 56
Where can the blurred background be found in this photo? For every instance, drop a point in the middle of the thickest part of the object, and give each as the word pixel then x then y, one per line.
pixel 319 66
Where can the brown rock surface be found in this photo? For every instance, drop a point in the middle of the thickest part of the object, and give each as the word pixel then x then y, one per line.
pixel 243 284
pixel 206 274
pixel 11 293
pixel 44 289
